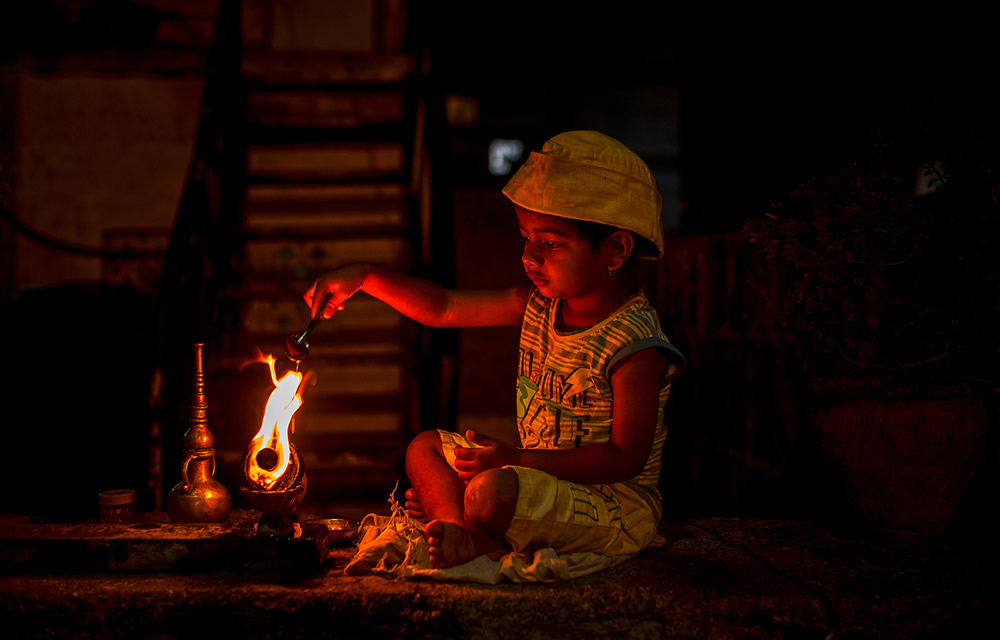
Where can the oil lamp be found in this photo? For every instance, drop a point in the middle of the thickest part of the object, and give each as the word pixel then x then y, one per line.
pixel 198 497
pixel 274 479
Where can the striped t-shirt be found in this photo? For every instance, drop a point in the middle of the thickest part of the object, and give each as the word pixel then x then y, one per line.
pixel 564 396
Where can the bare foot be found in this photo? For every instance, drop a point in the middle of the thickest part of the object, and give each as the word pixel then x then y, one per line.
pixel 453 544
pixel 413 507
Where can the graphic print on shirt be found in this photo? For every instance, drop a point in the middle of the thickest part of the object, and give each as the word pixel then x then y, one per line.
pixel 541 393
pixel 526 390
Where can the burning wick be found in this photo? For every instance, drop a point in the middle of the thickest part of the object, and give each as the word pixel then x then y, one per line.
pixel 270 449
pixel 267 459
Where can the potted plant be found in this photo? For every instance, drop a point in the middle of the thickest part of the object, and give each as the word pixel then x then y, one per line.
pixel 889 286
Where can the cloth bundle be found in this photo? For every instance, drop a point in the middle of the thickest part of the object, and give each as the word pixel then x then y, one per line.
pixel 396 545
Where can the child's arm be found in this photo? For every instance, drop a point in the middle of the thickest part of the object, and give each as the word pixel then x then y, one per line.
pixel 419 299
pixel 635 383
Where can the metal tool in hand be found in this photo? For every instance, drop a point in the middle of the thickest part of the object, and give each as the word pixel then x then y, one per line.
pixel 297 344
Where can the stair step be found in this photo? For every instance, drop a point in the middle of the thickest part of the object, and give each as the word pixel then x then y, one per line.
pixel 324 454
pixel 324 108
pixel 371 343
pixel 352 482
pixel 320 194
pixel 326 160
pixel 302 255
pixel 373 378
pixel 325 207
pixel 291 180
pixel 262 316
pixel 318 402
pixel 361 134
pixel 322 227
pixel 325 425
pixel 315 68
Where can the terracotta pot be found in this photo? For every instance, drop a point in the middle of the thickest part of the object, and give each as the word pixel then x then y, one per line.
pixel 905 463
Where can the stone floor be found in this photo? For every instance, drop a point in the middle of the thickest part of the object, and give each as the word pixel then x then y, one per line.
pixel 714 578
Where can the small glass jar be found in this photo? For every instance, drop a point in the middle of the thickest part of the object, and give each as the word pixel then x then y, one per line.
pixel 117 506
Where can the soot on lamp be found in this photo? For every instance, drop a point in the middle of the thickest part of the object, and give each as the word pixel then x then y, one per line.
pixel 267 459
pixel 278 502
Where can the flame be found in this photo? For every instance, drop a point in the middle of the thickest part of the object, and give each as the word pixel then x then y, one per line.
pixel 273 434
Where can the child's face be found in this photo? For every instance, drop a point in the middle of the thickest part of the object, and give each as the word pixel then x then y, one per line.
pixel 557 259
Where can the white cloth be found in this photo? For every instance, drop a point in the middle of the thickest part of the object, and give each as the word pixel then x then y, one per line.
pixel 396 545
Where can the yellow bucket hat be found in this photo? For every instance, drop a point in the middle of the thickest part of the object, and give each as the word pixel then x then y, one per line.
pixel 586 175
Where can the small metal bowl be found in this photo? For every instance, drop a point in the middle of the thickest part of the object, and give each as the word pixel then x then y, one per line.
pixel 338 530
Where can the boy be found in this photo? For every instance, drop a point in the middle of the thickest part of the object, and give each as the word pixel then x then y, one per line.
pixel 594 371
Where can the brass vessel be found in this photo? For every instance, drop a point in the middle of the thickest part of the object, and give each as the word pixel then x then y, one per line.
pixel 198 497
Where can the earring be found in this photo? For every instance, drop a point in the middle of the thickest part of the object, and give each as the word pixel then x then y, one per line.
pixel 611 272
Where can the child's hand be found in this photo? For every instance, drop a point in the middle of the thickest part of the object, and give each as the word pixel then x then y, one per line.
pixel 491 454
pixel 344 283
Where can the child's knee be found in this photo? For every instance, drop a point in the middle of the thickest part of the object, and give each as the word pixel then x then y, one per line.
pixel 424 444
pixel 490 500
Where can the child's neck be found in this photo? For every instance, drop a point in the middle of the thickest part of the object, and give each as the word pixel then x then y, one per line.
pixel 580 313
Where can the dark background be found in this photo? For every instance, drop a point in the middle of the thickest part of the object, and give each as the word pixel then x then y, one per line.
pixel 767 98
pixel 739 107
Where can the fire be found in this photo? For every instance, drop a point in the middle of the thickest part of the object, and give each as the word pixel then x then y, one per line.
pixel 281 406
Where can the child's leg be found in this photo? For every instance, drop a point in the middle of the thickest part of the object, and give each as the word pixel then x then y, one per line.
pixel 494 520
pixel 465 522
pixel 441 493
pixel 490 499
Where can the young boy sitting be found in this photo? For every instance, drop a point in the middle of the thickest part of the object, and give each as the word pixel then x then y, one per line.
pixel 594 370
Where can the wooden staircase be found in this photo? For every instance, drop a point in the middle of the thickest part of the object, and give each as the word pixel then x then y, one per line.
pixel 327 165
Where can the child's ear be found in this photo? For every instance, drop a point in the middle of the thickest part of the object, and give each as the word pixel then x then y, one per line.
pixel 618 247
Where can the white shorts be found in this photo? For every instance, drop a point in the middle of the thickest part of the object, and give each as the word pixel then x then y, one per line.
pixel 613 519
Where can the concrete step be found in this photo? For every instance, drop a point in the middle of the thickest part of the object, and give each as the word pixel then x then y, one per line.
pixel 714 578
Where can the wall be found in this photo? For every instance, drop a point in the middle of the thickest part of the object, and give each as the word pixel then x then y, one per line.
pixel 7 128
pixel 97 152
pixel 97 128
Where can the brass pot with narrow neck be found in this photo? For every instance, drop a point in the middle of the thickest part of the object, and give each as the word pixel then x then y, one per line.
pixel 198 497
